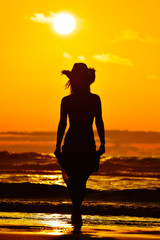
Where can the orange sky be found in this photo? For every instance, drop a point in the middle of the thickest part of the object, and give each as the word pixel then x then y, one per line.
pixel 120 39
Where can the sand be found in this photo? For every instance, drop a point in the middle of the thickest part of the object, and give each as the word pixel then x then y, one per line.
pixel 69 236
pixel 35 236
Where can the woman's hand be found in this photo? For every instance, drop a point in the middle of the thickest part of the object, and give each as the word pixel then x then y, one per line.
pixel 57 152
pixel 101 150
pixel 65 176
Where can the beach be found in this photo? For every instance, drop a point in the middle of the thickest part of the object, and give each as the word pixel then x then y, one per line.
pixel 87 233
pixel 122 200
pixel 63 231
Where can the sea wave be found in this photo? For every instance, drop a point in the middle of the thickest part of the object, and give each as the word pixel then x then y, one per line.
pixel 87 208
pixel 44 191
pixel 134 166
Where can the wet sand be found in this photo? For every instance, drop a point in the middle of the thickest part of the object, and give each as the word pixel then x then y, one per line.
pixel 88 233
pixel 36 236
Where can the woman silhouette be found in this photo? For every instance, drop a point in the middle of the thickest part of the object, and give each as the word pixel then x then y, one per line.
pixel 79 158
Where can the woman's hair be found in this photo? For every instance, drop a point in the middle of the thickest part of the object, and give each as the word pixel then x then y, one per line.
pixel 80 78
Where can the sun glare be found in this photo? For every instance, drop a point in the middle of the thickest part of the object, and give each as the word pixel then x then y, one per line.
pixel 64 23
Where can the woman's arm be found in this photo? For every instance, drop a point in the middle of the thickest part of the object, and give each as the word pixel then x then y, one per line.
pixel 61 127
pixel 100 126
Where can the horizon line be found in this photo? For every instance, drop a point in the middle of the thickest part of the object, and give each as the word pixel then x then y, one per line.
pixel 55 131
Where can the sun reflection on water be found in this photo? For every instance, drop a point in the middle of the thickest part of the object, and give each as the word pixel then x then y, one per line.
pixel 49 179
pixel 59 224
pixel 97 182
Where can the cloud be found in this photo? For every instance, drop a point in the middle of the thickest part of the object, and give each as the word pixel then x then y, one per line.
pixel 133 35
pixel 67 55
pixel 40 18
pixel 110 58
pixel 81 58
pixel 135 143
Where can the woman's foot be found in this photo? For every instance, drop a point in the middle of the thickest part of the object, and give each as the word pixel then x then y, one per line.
pixel 76 221
pixel 77 226
pixel 77 229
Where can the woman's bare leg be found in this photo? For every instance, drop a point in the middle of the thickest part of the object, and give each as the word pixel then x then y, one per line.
pixel 77 187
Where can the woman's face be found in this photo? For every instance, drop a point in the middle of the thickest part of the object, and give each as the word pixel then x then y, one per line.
pixel 79 84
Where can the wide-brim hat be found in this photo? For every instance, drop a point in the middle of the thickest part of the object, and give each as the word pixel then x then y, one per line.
pixel 81 69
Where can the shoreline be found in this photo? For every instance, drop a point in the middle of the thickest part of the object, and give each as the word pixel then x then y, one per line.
pixel 70 236
pixel 88 232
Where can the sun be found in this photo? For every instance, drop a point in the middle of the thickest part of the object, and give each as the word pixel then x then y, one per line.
pixel 64 23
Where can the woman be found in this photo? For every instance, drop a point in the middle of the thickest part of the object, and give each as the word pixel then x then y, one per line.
pixel 79 158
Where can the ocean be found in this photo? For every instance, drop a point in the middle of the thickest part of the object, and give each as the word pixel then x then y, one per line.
pixel 123 197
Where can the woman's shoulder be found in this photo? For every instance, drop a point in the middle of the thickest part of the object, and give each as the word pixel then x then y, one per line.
pixel 71 98
pixel 66 98
pixel 96 97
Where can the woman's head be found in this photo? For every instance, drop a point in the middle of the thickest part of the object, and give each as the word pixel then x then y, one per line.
pixel 80 77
